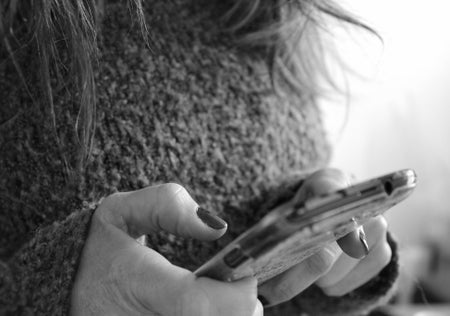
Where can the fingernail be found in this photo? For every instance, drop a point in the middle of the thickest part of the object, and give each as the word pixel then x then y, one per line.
pixel 263 300
pixel 211 220
pixel 363 240
pixel 355 243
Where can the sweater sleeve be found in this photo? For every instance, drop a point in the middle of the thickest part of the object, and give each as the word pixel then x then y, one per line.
pixel 37 280
pixel 313 301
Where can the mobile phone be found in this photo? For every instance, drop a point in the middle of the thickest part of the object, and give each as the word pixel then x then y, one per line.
pixel 293 231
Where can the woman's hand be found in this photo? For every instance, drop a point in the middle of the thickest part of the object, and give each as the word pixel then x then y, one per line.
pixel 341 266
pixel 119 276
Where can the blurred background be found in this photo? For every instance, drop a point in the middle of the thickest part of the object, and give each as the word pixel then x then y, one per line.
pixel 398 116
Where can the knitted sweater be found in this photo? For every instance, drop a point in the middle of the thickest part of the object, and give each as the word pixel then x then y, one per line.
pixel 193 110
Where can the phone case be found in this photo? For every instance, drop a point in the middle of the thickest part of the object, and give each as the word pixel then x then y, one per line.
pixel 294 231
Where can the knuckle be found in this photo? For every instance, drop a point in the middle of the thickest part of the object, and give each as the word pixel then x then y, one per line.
pixel 333 291
pixel 114 198
pixel 382 224
pixel 109 206
pixel 327 290
pixel 172 196
pixel 376 230
pixel 385 255
pixel 170 189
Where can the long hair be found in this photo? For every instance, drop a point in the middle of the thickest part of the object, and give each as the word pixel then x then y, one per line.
pixel 287 32
pixel 64 35
pixel 296 37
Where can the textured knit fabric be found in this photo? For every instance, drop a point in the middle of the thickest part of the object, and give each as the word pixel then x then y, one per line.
pixel 193 110
pixel 37 280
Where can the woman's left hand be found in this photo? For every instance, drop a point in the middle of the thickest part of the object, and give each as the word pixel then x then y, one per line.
pixel 341 266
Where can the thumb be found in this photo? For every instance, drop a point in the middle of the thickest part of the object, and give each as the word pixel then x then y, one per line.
pixel 167 207
pixel 322 182
pixel 325 181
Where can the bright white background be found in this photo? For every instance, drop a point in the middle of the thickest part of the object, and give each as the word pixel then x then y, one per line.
pixel 399 114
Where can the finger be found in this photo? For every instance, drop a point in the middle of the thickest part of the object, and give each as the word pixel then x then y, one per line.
pixel 342 267
pixel 375 229
pixel 326 181
pixel 366 269
pixel 353 245
pixel 363 272
pixel 166 207
pixel 259 309
pixel 322 182
pixel 285 286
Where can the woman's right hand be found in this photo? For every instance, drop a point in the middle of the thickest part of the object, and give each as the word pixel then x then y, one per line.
pixel 119 276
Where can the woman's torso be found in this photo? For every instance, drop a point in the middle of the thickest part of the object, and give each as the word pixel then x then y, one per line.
pixel 192 110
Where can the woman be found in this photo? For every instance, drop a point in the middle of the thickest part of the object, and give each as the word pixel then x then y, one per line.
pixel 221 98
